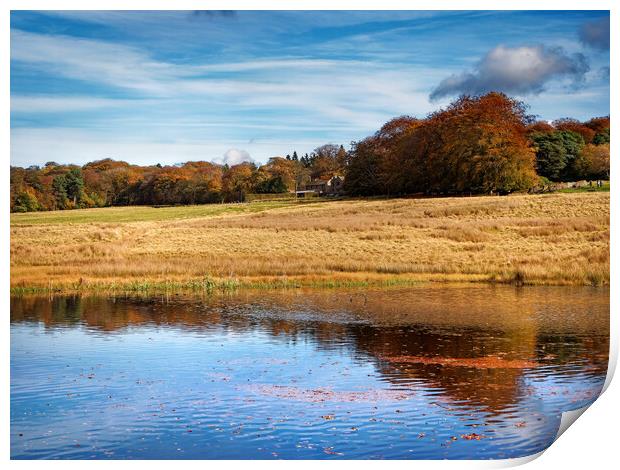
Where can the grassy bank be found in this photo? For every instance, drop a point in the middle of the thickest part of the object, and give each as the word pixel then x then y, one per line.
pixel 524 239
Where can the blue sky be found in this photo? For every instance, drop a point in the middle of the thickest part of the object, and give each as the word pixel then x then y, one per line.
pixel 168 87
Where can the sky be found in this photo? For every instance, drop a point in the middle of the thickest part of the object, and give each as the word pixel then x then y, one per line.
pixel 229 86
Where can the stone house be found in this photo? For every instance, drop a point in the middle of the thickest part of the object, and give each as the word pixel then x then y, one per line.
pixel 327 186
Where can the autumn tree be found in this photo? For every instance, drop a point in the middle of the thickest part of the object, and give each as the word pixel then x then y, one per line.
pixel 203 182
pixel 106 179
pixel 540 127
pixel 573 125
pixel 599 124
pixel 25 201
pixel 328 160
pixel 477 144
pixel 363 177
pixel 24 186
pixel 376 163
pixel 238 181
pixel 278 175
pixel 595 161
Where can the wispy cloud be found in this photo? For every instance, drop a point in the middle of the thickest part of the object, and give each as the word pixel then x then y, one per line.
pixel 62 104
pixel 354 92
pixel 97 61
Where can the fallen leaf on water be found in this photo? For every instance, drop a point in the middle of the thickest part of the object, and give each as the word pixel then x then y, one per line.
pixel 330 451
pixel 472 437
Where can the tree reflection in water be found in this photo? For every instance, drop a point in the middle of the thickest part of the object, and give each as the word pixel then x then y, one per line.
pixel 487 352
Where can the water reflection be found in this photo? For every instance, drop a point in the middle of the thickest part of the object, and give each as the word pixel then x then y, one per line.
pixel 433 372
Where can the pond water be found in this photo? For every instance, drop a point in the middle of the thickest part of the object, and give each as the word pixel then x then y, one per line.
pixel 418 373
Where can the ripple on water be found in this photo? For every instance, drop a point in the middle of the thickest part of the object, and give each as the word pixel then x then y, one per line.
pixel 400 375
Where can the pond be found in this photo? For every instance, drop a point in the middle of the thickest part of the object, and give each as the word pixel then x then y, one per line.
pixel 430 372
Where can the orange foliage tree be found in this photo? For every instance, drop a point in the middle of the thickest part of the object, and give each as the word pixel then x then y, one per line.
pixel 478 144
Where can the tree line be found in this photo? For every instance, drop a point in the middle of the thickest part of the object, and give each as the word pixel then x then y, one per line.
pixel 479 144
pixel 109 182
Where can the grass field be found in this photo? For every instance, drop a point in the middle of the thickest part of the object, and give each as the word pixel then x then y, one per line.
pixel 524 239
pixel 141 213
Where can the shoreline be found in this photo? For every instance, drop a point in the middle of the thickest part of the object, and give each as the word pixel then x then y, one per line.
pixel 211 286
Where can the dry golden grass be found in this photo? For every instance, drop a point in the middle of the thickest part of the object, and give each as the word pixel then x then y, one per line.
pixel 533 239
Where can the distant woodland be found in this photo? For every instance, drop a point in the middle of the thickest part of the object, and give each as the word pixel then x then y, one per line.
pixel 477 145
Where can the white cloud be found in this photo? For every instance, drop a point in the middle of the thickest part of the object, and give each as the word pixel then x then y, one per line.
pixel 517 70
pixel 235 156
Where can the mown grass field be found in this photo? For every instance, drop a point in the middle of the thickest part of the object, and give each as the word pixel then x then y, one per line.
pixel 524 239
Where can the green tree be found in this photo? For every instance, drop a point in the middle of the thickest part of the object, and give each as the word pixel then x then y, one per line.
pixel 601 138
pixel 25 202
pixel 550 155
pixel 74 185
pixel 278 185
pixel 59 188
pixel 573 144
